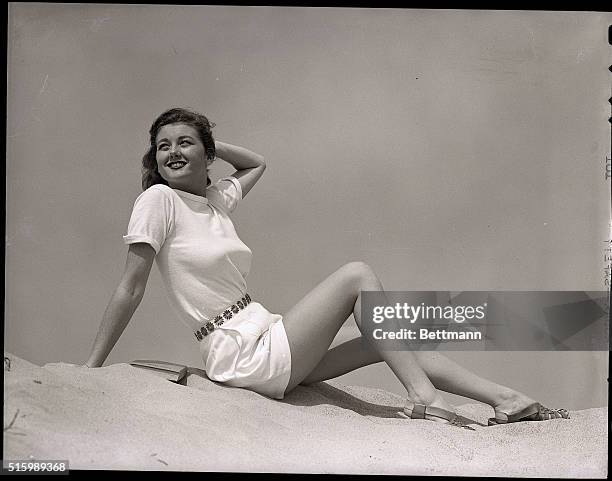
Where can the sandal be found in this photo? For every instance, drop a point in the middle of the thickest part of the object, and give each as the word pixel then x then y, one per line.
pixel 533 412
pixel 421 411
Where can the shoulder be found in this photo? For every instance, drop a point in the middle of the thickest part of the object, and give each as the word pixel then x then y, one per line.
pixel 157 199
pixel 152 217
pixel 226 193
pixel 228 184
pixel 159 192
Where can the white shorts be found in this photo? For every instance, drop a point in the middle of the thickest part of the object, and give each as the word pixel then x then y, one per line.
pixel 250 350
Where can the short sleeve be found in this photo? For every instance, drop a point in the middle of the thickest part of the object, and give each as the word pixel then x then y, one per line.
pixel 226 193
pixel 152 218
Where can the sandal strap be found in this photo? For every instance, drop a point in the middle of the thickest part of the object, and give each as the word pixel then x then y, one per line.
pixel 460 424
pixel 440 413
pixel 418 411
pixel 421 411
pixel 533 412
pixel 545 413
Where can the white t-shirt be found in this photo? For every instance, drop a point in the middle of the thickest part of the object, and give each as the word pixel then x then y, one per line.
pixel 201 260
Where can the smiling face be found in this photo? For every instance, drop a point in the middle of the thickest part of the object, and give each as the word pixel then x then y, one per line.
pixel 181 158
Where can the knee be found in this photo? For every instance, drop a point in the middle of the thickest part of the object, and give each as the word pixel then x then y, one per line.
pixel 359 272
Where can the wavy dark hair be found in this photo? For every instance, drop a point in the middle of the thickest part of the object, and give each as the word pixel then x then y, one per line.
pixel 150 174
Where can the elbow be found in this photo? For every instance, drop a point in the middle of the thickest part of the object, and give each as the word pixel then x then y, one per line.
pixel 137 296
pixel 133 291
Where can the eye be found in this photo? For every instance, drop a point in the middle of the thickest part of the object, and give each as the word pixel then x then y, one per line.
pixel 162 147
pixel 185 142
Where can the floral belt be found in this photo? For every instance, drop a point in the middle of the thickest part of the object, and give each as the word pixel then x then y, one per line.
pixel 230 312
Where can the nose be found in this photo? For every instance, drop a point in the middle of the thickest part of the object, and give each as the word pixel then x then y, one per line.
pixel 174 153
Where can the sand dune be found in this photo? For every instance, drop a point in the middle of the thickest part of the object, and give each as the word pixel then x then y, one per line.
pixel 120 417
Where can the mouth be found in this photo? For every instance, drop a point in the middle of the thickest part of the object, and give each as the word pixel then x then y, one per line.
pixel 176 164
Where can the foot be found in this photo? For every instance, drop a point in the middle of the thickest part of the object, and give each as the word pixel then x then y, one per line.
pixel 515 406
pixel 438 410
pixel 437 402
pixel 513 402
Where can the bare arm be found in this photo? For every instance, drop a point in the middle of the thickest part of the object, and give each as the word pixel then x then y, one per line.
pixel 249 165
pixel 123 303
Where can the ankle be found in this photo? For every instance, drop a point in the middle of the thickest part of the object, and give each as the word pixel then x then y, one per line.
pixel 435 400
pixel 506 395
pixel 510 398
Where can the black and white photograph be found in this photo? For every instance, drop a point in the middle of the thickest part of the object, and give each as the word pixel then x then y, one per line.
pixel 307 240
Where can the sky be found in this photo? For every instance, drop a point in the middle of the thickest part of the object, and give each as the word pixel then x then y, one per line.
pixel 450 150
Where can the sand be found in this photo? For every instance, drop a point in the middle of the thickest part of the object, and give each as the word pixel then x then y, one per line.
pixel 122 418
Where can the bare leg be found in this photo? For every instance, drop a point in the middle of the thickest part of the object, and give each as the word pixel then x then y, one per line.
pixel 312 324
pixel 445 374
pixel 449 376
pixel 343 358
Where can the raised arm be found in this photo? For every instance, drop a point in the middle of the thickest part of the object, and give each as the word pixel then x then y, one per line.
pixel 249 165
pixel 123 303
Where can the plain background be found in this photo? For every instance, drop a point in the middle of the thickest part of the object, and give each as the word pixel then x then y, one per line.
pixel 450 150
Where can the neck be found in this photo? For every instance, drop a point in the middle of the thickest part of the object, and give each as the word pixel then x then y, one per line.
pixel 198 189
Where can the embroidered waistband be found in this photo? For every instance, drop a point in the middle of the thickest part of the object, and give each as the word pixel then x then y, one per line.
pixel 218 320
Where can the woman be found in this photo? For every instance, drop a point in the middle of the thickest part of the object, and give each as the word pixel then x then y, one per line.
pixel 182 221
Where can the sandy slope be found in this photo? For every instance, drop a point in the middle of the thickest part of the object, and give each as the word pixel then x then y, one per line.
pixel 119 417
